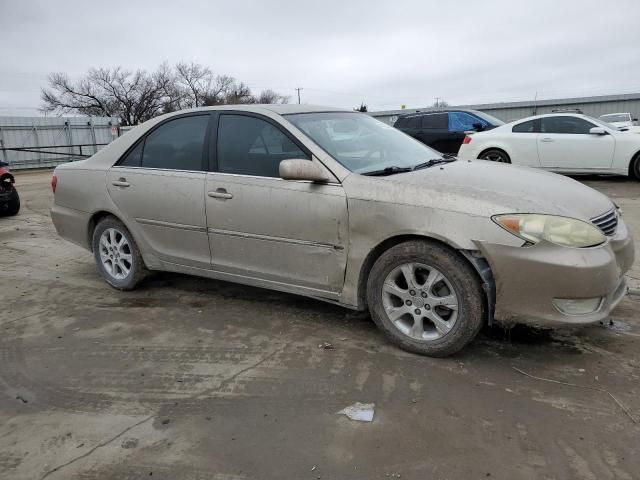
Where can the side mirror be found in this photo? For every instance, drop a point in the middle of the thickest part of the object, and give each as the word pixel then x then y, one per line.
pixel 597 131
pixel 298 169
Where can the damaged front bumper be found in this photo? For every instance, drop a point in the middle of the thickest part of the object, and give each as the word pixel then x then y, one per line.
pixel 549 285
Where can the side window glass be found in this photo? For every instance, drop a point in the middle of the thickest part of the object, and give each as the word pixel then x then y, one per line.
pixel 462 122
pixel 436 120
pixel 413 122
pixel 251 146
pixel 134 157
pixel 525 127
pixel 566 125
pixel 177 144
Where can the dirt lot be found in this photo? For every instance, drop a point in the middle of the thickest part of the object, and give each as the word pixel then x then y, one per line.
pixel 190 379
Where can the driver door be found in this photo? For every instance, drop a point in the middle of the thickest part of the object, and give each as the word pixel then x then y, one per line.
pixel 565 144
pixel 263 227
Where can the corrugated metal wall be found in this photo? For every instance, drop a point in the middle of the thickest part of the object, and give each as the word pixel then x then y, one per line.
pixel 593 106
pixel 38 132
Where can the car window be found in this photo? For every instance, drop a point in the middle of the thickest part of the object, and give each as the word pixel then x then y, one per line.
pixel 525 127
pixel 435 120
pixel 413 122
pixel 361 143
pixel 134 157
pixel 462 122
pixel 251 146
pixel 177 144
pixel 400 123
pixel 567 125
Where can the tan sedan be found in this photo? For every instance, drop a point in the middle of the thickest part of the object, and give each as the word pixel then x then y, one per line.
pixel 338 206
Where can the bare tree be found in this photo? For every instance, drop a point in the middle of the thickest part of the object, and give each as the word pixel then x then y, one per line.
pixel 439 103
pixel 270 96
pixel 137 96
pixel 134 97
pixel 362 108
pixel 194 82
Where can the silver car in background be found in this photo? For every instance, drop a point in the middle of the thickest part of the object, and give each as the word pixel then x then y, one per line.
pixel 338 206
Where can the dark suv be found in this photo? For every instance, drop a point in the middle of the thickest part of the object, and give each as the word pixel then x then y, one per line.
pixel 444 130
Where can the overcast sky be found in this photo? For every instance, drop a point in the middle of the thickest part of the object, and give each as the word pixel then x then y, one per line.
pixel 342 53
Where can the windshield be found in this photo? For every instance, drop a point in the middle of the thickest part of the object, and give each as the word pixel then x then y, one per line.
pixel 616 117
pixel 360 142
pixel 489 118
pixel 599 121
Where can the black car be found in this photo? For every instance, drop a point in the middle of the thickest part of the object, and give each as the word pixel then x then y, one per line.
pixel 444 130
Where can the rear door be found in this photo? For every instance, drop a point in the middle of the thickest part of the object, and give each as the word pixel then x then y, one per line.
pixel 411 126
pixel 434 131
pixel 159 188
pixel 263 227
pixel 565 144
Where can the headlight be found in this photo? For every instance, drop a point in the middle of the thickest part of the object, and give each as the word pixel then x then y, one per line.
pixel 568 232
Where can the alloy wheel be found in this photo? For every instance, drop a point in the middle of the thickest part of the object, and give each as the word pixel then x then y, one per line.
pixel 420 301
pixel 115 253
pixel 495 157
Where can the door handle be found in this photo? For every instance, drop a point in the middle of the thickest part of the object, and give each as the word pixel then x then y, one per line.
pixel 547 139
pixel 121 182
pixel 220 193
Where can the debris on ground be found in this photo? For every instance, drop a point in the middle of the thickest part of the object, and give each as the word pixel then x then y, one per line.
pixel 314 467
pixel 326 346
pixel 588 387
pixel 361 412
pixel 129 443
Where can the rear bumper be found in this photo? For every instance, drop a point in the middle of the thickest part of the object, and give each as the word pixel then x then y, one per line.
pixel 528 279
pixel 72 225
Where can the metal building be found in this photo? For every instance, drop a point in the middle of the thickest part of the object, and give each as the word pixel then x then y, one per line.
pixel 508 111
pixel 33 142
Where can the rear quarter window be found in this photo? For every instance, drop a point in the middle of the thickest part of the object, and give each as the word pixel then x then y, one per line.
pixel 525 127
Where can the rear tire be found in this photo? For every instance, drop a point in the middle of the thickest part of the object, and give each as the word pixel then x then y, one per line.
pixel 495 155
pixel 439 311
pixel 117 255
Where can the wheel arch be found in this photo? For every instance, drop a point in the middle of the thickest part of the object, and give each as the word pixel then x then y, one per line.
pixel 94 220
pixel 502 149
pixel 481 274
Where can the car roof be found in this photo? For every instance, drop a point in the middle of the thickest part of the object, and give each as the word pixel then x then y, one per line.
pixel 447 110
pixel 280 109
pixel 557 114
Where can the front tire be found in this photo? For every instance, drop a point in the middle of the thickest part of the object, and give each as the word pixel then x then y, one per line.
pixel 495 155
pixel 425 298
pixel 634 168
pixel 117 255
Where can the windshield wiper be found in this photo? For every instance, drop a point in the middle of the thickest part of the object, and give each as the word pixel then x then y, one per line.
pixel 388 171
pixel 434 161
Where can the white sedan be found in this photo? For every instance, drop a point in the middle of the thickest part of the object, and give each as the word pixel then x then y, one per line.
pixel 561 142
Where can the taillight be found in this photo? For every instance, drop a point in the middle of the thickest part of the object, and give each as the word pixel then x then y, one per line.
pixel 467 139
pixel 54 183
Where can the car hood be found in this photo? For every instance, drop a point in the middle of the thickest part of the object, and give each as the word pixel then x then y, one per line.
pixel 486 188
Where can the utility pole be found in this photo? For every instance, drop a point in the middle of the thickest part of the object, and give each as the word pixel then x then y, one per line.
pixel 437 102
pixel 298 89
